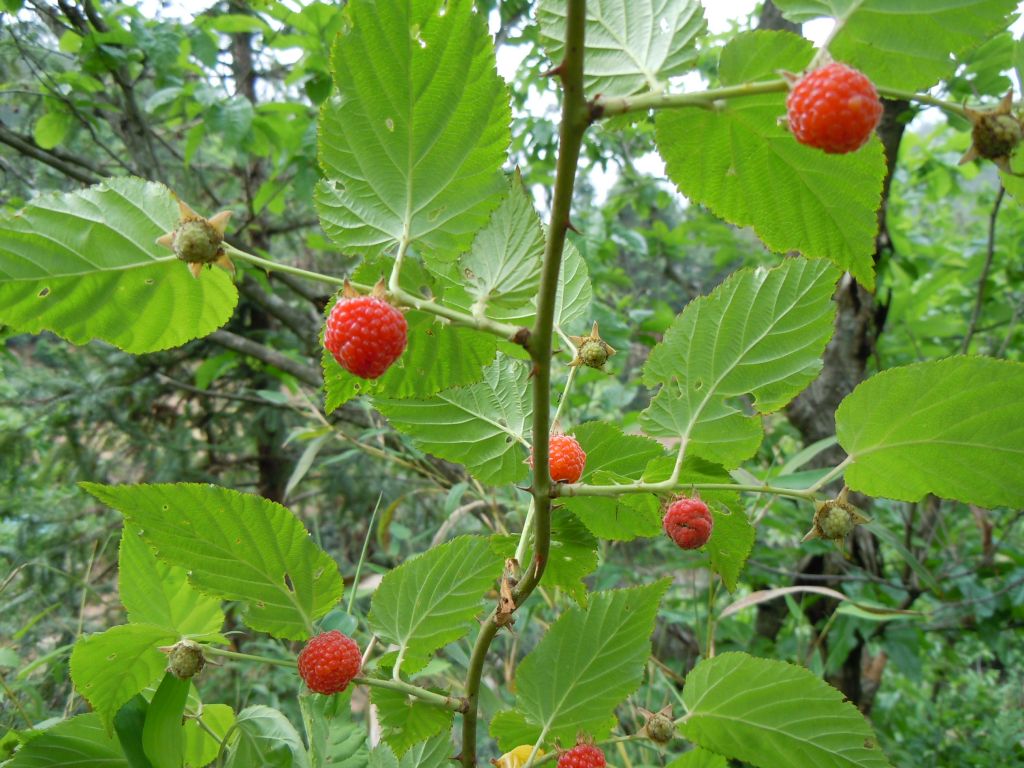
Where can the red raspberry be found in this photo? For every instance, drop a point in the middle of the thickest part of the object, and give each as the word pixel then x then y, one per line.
pixel 565 459
pixel 834 108
pixel 365 334
pixel 688 523
pixel 329 662
pixel 582 756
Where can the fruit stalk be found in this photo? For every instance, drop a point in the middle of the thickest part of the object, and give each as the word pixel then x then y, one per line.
pixel 576 118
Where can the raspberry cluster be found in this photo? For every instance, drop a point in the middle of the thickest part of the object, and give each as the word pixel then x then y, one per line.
pixel 566 459
pixel 329 661
pixel 582 756
pixel 834 108
pixel 688 523
pixel 365 334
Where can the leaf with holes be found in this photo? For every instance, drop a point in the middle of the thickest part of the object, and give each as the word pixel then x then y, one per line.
pixel 760 333
pixel 154 592
pixel 86 265
pixel 413 145
pixel 236 546
pixel 110 667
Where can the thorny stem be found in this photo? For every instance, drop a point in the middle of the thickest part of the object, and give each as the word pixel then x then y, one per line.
pixel 400 296
pixel 582 489
pixel 429 697
pixel 608 107
pixel 576 117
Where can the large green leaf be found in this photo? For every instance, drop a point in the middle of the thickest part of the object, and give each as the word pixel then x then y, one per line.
pixel 438 355
pixel 631 45
pixel 110 667
pixel 406 721
pixel 951 427
pixel 236 546
pixel 154 592
pixel 86 265
pixel 773 714
pixel 80 741
pixel 414 143
pixel 163 738
pixel 482 426
pixel 586 665
pixel 761 333
pixel 430 600
pixel 739 162
pixel 264 737
pixel 335 739
pixel 436 753
pixel 699 758
pixel 911 44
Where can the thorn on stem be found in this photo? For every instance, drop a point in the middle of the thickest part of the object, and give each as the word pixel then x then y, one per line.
pixel 559 70
pixel 569 225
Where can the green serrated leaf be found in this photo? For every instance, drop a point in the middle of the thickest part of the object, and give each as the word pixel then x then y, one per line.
pixel 406 721
pixel 699 758
pixel 110 667
pixel 586 665
pixel 263 736
pixel 80 741
pixel 500 274
pixel 86 265
pixel 572 555
pixel 732 538
pixel 761 332
pixel 430 600
pixel 438 355
pixel 482 426
pixel 748 169
pixel 236 546
pixel 771 713
pixel 951 427
pixel 335 738
pixel 436 753
pixel 406 153
pixel 630 47
pixel 154 592
pixel 163 739
pixel 909 45
pixel 202 742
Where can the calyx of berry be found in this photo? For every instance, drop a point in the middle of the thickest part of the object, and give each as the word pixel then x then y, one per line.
pixel 592 350
pixel 659 728
pixel 835 519
pixel 198 241
pixel 995 134
pixel 184 659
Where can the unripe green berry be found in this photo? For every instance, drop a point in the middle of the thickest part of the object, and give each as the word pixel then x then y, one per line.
pixel 197 242
pixel 185 659
pixel 660 728
pixel 594 353
pixel 996 135
pixel 836 522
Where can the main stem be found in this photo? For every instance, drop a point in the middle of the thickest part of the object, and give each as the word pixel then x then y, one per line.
pixel 576 117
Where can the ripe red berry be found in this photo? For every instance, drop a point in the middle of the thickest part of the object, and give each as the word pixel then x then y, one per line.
pixel 329 662
pixel 582 756
pixel 565 459
pixel 365 334
pixel 688 523
pixel 834 108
